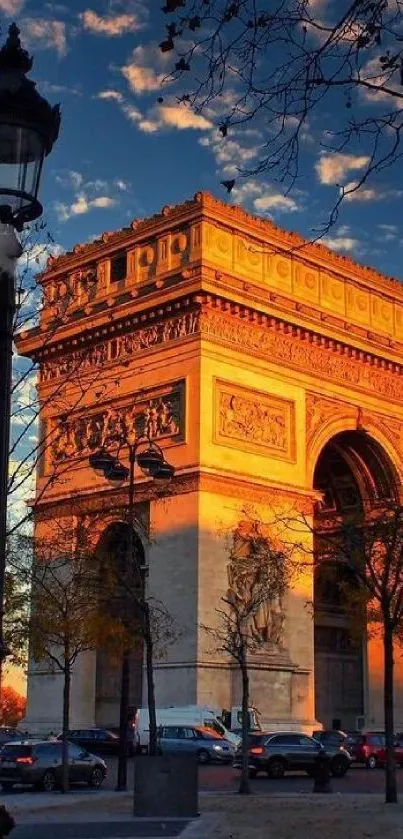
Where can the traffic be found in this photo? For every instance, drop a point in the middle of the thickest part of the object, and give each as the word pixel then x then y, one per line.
pixel 210 735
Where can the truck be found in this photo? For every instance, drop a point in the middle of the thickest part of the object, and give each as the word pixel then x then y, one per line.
pixel 220 720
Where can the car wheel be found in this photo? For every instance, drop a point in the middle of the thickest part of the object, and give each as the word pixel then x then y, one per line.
pixel 7 785
pixel 338 767
pixel 96 778
pixel 203 756
pixel 276 768
pixel 48 781
pixel 252 773
pixel 372 762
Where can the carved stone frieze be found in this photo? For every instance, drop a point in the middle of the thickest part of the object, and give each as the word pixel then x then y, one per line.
pixel 254 420
pixel 311 354
pixel 156 416
pixel 118 349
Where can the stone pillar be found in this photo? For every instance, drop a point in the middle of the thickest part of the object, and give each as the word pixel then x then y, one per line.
pixel 172 557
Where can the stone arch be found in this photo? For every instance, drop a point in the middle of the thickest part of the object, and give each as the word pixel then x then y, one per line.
pixel 112 540
pixel 355 475
pixel 372 427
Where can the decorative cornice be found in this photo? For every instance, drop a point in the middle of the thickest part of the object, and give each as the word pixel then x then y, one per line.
pixel 222 321
pixel 203 203
pixel 194 480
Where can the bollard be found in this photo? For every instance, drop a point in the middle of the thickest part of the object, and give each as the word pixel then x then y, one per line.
pixel 322 773
pixel 7 822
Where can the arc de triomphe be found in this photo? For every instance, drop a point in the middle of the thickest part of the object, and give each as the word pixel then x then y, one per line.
pixel 269 370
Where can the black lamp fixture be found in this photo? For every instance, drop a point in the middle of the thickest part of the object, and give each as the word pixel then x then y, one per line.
pixel 150 460
pixel 101 461
pixel 116 473
pixel 29 126
pixel 164 472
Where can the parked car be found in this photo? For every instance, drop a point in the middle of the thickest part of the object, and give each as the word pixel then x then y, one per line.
pixel 371 750
pixel 38 763
pixel 335 737
pixel 282 751
pixel 97 740
pixel 7 734
pixel 206 743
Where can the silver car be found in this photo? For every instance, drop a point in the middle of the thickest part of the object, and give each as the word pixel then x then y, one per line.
pixel 195 739
pixel 38 763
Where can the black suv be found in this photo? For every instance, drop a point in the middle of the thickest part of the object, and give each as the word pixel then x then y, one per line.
pixel 282 751
pixel 332 737
pixel 97 740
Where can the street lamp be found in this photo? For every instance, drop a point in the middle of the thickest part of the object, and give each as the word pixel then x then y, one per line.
pixel 152 462
pixel 29 126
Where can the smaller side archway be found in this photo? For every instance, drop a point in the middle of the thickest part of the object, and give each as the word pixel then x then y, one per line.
pixel 355 476
pixel 113 547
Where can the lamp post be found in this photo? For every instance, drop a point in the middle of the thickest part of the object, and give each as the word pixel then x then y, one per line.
pixel 151 461
pixel 29 127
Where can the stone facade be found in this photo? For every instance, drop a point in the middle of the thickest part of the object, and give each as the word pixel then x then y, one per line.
pixel 242 351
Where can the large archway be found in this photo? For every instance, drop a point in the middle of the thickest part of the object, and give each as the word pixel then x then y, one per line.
pixel 114 549
pixel 355 476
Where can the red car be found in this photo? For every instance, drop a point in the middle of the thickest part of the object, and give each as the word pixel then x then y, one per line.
pixel 371 750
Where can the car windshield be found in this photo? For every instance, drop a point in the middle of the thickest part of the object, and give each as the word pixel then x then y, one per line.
pixel 13 751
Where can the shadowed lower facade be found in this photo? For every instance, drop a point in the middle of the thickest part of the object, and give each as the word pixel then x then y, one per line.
pixel 269 371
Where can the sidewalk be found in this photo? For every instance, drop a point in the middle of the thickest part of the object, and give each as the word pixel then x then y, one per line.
pixel 305 817
pixel 258 816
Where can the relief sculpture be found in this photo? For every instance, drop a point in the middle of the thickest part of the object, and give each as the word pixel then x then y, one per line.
pixel 266 621
pixel 121 348
pixel 157 417
pixel 258 419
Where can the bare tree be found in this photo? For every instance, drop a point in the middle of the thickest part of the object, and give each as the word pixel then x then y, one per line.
pixel 260 570
pixel 275 67
pixel 369 552
pixel 122 592
pixel 64 620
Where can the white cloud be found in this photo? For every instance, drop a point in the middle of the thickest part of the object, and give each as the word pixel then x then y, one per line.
pixel 11 7
pixel 110 25
pixel 353 192
pixel 275 201
pixel 81 205
pixel 168 115
pixel 262 197
pixel 373 73
pixel 122 185
pixel 112 95
pixel 230 154
pixel 181 117
pixel 36 256
pixel 147 69
pixel 70 178
pixel 341 243
pixel 45 34
pixel 332 168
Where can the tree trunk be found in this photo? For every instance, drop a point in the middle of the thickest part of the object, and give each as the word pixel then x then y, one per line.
pixel 388 699
pixel 66 720
pixel 244 788
pixel 121 785
pixel 153 741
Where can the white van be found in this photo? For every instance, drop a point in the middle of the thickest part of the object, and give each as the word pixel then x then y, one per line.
pixel 187 715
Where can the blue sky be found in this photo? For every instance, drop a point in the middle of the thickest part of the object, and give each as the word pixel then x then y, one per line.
pixel 121 154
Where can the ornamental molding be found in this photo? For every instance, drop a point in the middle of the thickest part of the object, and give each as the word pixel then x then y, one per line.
pixel 224 322
pixel 303 349
pixel 321 410
pixel 107 500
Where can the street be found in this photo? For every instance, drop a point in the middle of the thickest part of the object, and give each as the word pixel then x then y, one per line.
pixel 224 779
pixel 216 778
